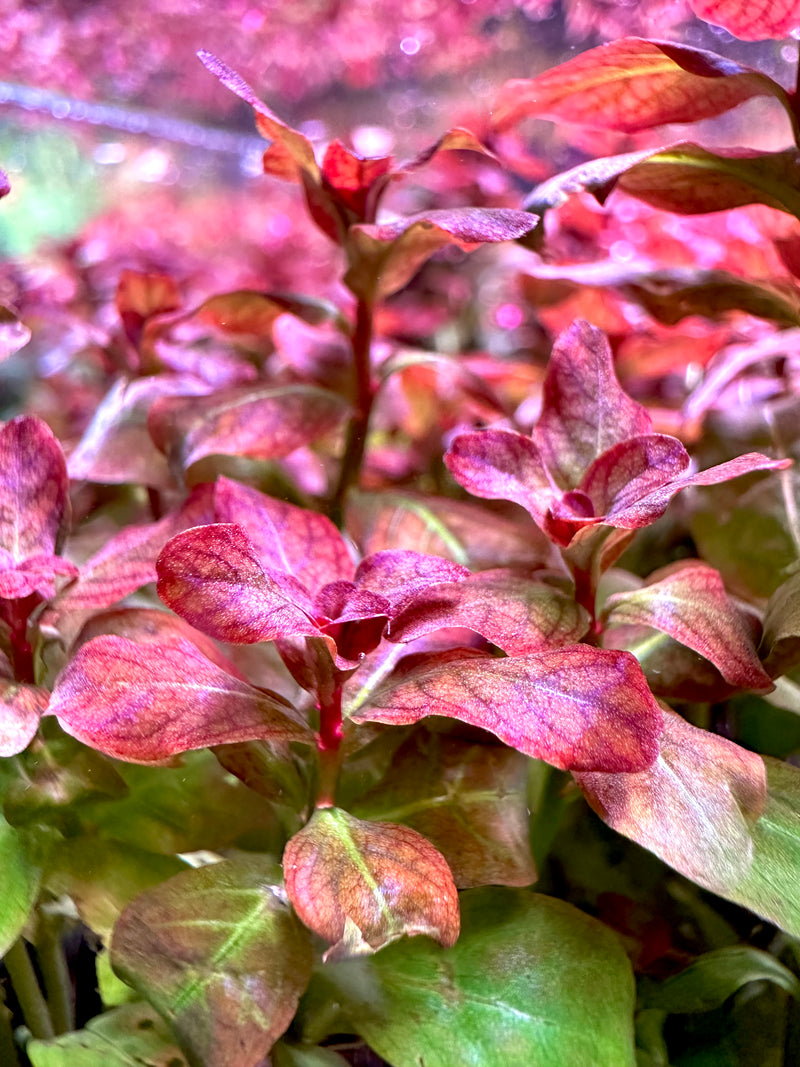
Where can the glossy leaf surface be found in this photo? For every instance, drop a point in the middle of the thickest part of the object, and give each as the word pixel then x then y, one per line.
pixel 688 601
pixel 220 956
pixel 633 84
pixel 147 702
pixel 363 884
pixel 576 708
pixel 470 1007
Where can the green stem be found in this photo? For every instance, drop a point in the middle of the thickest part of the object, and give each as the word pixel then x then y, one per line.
pixel 31 1002
pixel 53 965
pixel 8 1050
pixel 363 396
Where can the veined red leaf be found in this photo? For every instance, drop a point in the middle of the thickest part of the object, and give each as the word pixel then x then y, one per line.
pixel 751 20
pixel 290 154
pixel 634 84
pixel 285 537
pixel 510 608
pixel 116 446
pixel 218 953
pixel 258 421
pixel 388 255
pixel 688 601
pixel 694 807
pixel 21 707
pixel 145 703
pixel 401 574
pixel 34 501
pixel 576 707
pixel 362 885
pixel 502 465
pixel 584 408
pixel 212 577
pixel 13 333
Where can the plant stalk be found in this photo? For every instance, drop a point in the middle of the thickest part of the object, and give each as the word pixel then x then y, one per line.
pixel 26 987
pixel 364 395
pixel 55 973
pixel 328 746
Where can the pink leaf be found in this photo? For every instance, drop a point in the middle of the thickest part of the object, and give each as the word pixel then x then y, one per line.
pixel 14 334
pixel 631 85
pixel 509 608
pixel 297 540
pixel 400 574
pixel 21 707
pixel 258 421
pixel 502 465
pixel 211 576
pixel 693 807
pixel 34 501
pixel 688 601
pixel 35 575
pixel 577 707
pixel 146 702
pixel 751 20
pixel 584 409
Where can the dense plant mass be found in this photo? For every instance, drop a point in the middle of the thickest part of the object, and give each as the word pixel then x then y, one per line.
pixel 404 668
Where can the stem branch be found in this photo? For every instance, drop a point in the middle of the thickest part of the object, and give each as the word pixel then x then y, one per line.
pixel 55 973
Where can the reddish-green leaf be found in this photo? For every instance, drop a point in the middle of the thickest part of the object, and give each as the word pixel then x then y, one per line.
pixel 385 257
pixel 688 601
pixel 212 577
pixel 694 807
pixel 146 702
pixel 467 799
pixel 362 885
pixel 780 642
pixel 633 84
pixel 258 421
pixel 510 608
pixel 584 409
pixel 140 296
pixel 577 707
pixel 751 20
pixel 219 954
pixel 34 501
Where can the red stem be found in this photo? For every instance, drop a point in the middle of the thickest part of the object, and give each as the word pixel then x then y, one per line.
pixel 328 746
pixel 18 613
pixel 364 395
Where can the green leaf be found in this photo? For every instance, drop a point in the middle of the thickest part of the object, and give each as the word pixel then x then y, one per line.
pixel 284 1055
pixel 715 976
pixel 129 1036
pixel 780 642
pixel 19 885
pixel 520 987
pixel 220 955
pixel 468 800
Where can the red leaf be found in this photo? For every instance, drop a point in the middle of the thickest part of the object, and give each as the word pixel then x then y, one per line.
pixel 400 574
pixel 140 296
pixel 385 257
pixel 363 884
pixel 297 540
pixel 258 421
pixel 509 608
pixel 633 84
pixel 751 20
pixel 212 577
pixel 34 501
pixel 693 807
pixel 146 702
pixel 577 708
pixel 291 153
pixel 688 601
pixel 352 178
pixel 502 465
pixel 35 575
pixel 21 707
pixel 584 409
